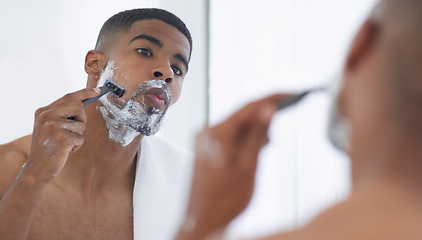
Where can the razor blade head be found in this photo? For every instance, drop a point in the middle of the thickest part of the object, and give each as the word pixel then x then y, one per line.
pixel 114 88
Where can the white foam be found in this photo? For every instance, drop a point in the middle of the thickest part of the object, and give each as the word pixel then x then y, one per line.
pixel 126 122
pixel 339 129
pixel 106 74
pixel 46 142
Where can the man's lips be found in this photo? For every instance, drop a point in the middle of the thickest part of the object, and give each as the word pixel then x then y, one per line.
pixel 156 98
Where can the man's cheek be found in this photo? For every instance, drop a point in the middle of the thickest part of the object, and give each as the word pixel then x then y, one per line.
pixel 175 94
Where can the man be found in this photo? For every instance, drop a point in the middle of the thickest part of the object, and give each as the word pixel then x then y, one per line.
pixel 91 173
pixel 380 100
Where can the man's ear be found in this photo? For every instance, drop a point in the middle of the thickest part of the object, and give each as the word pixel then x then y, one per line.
pixel 362 44
pixel 94 62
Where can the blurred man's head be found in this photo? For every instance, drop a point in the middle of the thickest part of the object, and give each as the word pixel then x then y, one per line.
pixel 382 81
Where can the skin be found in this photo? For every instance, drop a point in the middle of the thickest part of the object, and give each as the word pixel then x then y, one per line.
pixel 380 98
pixel 77 183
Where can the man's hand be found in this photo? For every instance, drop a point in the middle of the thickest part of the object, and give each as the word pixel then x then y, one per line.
pixel 57 131
pixel 226 159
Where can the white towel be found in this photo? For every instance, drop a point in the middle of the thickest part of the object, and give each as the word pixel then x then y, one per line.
pixel 162 186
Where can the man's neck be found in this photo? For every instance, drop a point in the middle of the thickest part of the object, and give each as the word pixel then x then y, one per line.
pixel 393 155
pixel 101 164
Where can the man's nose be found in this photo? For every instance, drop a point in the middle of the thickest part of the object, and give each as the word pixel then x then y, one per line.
pixel 163 73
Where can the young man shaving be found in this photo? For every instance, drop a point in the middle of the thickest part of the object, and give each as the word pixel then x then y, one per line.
pixel 90 173
pixel 381 100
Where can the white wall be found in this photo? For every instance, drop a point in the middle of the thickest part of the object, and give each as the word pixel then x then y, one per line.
pixel 42 50
pixel 260 47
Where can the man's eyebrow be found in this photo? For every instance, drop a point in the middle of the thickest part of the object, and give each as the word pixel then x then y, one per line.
pixel 183 59
pixel 160 44
pixel 149 38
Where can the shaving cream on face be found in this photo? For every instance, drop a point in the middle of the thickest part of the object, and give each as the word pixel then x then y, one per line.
pixel 141 117
pixel 339 129
pixel 129 119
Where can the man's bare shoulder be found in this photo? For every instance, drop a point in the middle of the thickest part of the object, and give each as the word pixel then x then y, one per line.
pixel 364 216
pixel 15 152
pixel 12 156
pixel 334 223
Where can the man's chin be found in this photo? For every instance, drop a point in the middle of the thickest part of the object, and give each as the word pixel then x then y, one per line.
pixel 147 128
pixel 148 131
pixel 155 111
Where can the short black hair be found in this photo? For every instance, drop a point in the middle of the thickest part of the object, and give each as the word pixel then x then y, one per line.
pixel 124 20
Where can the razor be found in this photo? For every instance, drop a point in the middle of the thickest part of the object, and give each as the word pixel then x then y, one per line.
pixel 109 86
pixel 295 98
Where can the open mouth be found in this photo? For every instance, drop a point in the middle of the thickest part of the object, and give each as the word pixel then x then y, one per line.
pixel 156 98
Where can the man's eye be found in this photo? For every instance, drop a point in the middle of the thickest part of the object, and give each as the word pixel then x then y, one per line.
pixel 177 70
pixel 144 52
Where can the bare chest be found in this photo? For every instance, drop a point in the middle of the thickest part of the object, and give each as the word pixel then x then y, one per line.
pixel 64 218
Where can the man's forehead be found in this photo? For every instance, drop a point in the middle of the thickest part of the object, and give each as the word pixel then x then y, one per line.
pixel 162 31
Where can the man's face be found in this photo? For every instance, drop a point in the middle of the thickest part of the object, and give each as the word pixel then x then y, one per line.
pixel 150 61
pixel 366 93
pixel 150 50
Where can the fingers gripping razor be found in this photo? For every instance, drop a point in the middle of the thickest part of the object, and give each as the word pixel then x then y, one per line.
pixel 109 86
